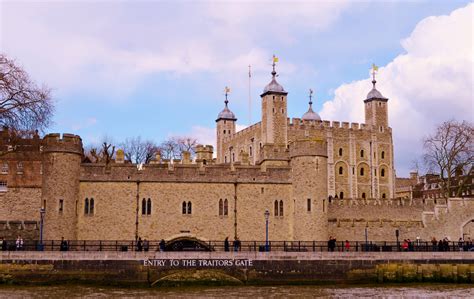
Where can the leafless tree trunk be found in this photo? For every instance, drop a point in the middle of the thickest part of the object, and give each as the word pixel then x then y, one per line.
pixel 24 107
pixel 448 151
pixel 173 147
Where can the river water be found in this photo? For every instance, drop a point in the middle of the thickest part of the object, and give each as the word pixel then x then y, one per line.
pixel 391 291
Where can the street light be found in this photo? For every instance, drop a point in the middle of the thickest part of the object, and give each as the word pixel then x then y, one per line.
pixel 267 215
pixel 42 212
pixel 397 234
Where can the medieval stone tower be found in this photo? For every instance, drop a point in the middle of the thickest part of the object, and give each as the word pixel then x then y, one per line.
pixel 308 158
pixel 376 112
pixel 61 171
pixel 274 113
pixel 225 128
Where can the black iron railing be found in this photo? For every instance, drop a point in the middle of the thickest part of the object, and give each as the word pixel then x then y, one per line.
pixel 247 246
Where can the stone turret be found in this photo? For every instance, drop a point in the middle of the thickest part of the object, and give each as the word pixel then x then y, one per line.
pixel 308 158
pixel 204 153
pixel 225 128
pixel 61 171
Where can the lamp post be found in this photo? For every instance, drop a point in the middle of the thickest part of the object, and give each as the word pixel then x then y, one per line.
pixel 42 212
pixel 397 234
pixel 267 215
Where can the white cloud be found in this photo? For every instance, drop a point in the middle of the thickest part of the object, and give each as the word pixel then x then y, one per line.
pixel 431 83
pixel 110 47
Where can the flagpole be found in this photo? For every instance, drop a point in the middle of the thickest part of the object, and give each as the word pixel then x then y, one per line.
pixel 250 98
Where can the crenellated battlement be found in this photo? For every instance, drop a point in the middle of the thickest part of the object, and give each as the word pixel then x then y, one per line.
pixel 374 223
pixel 69 143
pixel 186 173
pixel 300 124
pixel 417 202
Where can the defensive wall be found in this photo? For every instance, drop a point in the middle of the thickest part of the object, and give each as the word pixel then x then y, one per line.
pixel 176 269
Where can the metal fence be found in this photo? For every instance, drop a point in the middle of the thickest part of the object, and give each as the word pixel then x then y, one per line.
pixel 247 246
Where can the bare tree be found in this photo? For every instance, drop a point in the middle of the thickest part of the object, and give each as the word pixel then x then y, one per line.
pixel 449 151
pixel 173 147
pixel 138 151
pixel 107 152
pixel 23 105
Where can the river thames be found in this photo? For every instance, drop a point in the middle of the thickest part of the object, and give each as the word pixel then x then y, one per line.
pixel 385 291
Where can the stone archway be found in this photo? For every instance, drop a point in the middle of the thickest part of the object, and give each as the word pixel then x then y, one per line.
pixel 187 243
pixel 467 229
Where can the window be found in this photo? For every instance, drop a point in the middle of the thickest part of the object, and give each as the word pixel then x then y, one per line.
pixel 5 168
pixel 383 195
pixel 61 205
pixel 91 206
pixel 233 157
pixel 341 195
pixel 363 195
pixel 3 186
pixel 276 207
pixel 221 207
pixel 383 155
pixel 340 151
pixel 225 159
pixel 146 206
pixel 250 151
pixel 190 207
pixel 309 204
pixel 224 131
pixel 362 153
pixel 226 207
pixel 341 171
pixel 362 171
pixel 281 208
pixel 184 208
pixel 19 167
pixel 381 129
pixel 86 206
pixel 382 172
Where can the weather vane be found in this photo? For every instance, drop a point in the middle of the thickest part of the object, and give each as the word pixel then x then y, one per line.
pixel 227 91
pixel 375 69
pixel 310 96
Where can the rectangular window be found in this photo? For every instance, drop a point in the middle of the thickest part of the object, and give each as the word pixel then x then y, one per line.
pixel 61 205
pixel 5 168
pixel 309 205
pixel 19 168
pixel 3 186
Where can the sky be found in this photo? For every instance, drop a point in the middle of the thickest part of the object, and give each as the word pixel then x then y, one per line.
pixel 157 69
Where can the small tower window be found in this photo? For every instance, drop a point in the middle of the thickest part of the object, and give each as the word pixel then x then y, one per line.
pixel 91 206
pixel 383 155
pixel 363 195
pixel 250 151
pixel 224 131
pixel 362 153
pixel 281 208
pixel 221 207
pixel 341 170
pixel 86 206
pixel 382 172
pixel 226 207
pixel 184 210
pixel 383 195
pixel 362 171
pixel 19 167
pixel 143 206
pixel 190 207
pixel 341 195
pixel 148 207
pixel 340 152
pixel 225 159
pixel 308 204
pixel 276 207
pixel 61 205
pixel 233 157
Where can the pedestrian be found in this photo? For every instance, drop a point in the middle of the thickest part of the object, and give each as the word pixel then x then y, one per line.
pixel 64 245
pixel 162 245
pixel 146 245
pixel 405 245
pixel 446 244
pixel 440 245
pixel 19 243
pixel 1 243
pixel 226 244
pixel 139 244
pixel 434 244
pixel 347 246
pixel 236 244
pixel 460 244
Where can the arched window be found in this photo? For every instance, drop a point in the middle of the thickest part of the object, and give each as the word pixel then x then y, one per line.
pixel 363 195
pixel 86 206
pixel 281 208
pixel 233 157
pixel 362 171
pixel 362 153
pixel 382 172
pixel 91 206
pixel 309 204
pixel 226 207
pixel 184 207
pixel 341 170
pixel 190 207
pixel 341 195
pixel 383 155
pixel 340 151
pixel 143 207
pixel 276 207
pixel 148 207
pixel 221 207
pixel 383 195
pixel 224 131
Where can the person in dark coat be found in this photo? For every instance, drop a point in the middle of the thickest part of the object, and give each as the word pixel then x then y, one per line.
pixel 226 244
pixel 139 244
pixel 162 245
pixel 146 245
pixel 63 246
